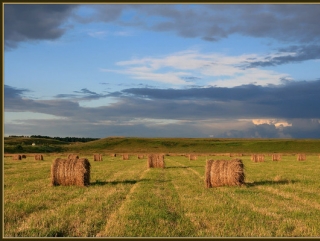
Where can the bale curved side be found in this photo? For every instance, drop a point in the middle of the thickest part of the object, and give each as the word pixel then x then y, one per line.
pixel 156 160
pixel 67 172
pixel 225 173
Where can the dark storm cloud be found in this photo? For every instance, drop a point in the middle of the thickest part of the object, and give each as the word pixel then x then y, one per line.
pixel 83 94
pixel 26 22
pixel 211 22
pixel 290 54
pixel 285 22
pixel 12 92
pixel 296 102
pixel 290 100
pixel 14 101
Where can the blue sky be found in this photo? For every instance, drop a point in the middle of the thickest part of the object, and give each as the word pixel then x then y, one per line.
pixel 162 70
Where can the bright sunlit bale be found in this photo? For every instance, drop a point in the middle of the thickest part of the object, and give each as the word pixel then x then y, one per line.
pixel 70 172
pixel 156 160
pixel 301 157
pixel 224 173
pixel 97 157
pixel 38 157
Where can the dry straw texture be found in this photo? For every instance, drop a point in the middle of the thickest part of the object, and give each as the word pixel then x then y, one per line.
pixel 156 160
pixel 301 157
pixel 73 156
pixel 16 157
pixel 276 157
pixel 97 157
pixel 38 157
pixel 192 157
pixel 224 173
pixel 125 157
pixel 257 158
pixel 69 172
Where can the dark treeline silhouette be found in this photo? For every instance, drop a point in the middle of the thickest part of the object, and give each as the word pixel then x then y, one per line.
pixel 65 139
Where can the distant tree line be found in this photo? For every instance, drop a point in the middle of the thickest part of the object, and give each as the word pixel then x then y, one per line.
pixel 65 139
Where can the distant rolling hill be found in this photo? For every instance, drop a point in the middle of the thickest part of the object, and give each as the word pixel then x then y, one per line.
pixel 164 145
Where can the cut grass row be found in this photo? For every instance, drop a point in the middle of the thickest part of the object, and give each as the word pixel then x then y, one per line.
pixel 126 199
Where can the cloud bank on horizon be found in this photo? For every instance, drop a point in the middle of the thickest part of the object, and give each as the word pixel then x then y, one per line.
pixel 162 70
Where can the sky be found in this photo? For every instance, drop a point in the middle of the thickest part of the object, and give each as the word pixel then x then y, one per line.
pixel 162 70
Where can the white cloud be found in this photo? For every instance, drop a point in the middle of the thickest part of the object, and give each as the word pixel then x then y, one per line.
pixel 278 123
pixel 213 69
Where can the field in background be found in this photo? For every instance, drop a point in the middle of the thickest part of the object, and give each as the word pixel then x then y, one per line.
pixel 126 199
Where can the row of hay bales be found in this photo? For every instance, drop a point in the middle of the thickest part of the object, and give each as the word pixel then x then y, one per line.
pixel 76 171
pixel 275 157
pixel 21 156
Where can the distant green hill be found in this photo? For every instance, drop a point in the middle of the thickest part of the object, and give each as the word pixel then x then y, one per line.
pixel 163 145
pixel 196 145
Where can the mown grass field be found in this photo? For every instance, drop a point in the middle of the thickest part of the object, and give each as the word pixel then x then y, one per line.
pixel 127 199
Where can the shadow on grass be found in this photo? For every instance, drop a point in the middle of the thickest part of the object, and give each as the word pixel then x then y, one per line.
pixel 132 182
pixel 270 182
pixel 182 167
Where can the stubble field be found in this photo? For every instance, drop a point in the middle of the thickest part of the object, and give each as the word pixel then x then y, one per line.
pixel 125 198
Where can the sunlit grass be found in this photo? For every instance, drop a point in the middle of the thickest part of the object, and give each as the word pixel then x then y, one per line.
pixel 126 199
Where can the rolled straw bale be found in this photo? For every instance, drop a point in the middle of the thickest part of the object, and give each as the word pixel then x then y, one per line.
pixel 73 156
pixel 69 172
pixel 125 157
pixel 113 155
pixel 192 157
pixel 38 157
pixel 140 156
pixel 23 156
pixel 301 157
pixel 224 173
pixel 97 157
pixel 156 160
pixel 276 157
pixel 257 158
pixel 207 173
pixel 16 157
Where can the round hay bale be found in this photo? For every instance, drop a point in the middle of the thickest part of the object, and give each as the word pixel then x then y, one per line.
pixel 23 156
pixel 16 157
pixel 224 173
pixel 68 172
pixel 38 157
pixel 97 157
pixel 192 157
pixel 276 157
pixel 156 160
pixel 73 156
pixel 301 157
pixel 125 157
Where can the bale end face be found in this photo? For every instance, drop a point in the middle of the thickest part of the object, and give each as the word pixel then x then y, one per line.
pixel 97 157
pixel 70 172
pixel 156 160
pixel 224 173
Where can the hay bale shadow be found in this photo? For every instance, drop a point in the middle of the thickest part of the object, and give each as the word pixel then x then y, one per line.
pixel 175 167
pixel 102 183
pixel 270 183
